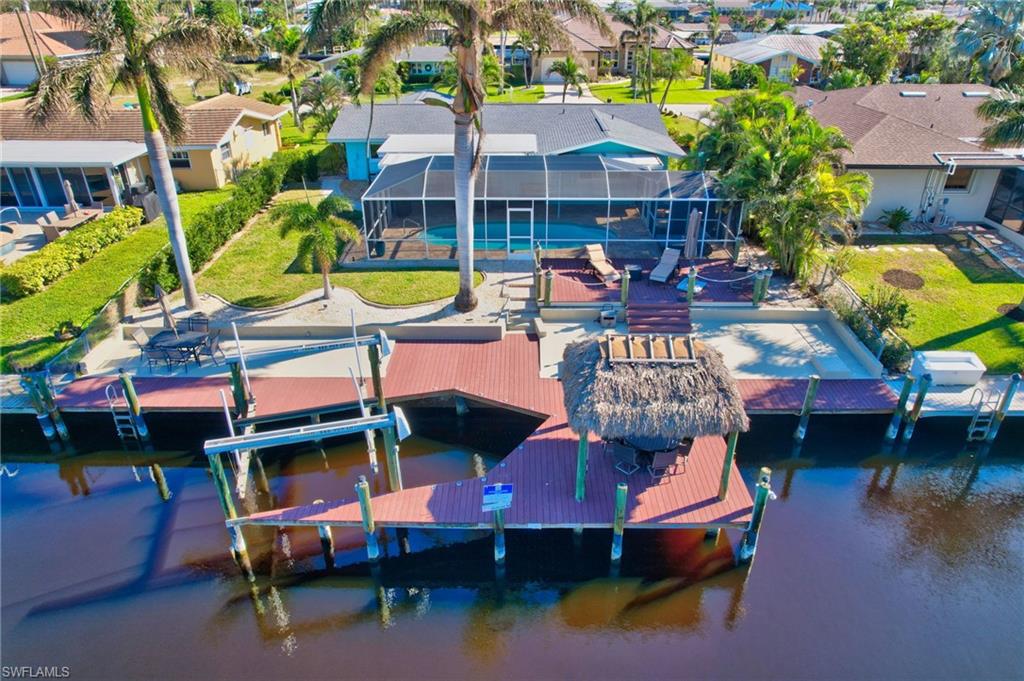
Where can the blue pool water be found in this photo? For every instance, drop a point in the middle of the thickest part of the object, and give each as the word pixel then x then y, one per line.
pixel 559 234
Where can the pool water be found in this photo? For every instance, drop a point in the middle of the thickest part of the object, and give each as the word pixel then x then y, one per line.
pixel 871 564
pixel 559 235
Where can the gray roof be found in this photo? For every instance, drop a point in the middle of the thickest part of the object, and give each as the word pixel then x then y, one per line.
pixel 806 47
pixel 425 53
pixel 558 128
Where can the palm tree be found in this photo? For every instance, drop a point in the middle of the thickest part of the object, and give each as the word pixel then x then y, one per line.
pixel 672 66
pixel 642 21
pixel 534 45
pixel 470 24
pixel 325 97
pixel 289 43
pixel 1005 111
pixel 323 233
pixel 447 79
pixel 571 73
pixel 993 36
pixel 714 34
pixel 133 49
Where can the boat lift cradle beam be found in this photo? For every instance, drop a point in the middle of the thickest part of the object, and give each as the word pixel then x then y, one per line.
pixel 379 339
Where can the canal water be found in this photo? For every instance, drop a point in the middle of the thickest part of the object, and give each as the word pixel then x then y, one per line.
pixel 871 564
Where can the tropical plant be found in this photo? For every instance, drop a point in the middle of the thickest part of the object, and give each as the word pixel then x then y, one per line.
pixel 871 49
pixel 447 80
pixel 1004 110
pixel 830 60
pixel 323 234
pixel 844 78
pixel 896 218
pixel 325 97
pixel 534 45
pixel 132 48
pixel 571 73
pixel 274 97
pixel 670 66
pixel 887 308
pixel 642 23
pixel 714 35
pixel 288 43
pixel 470 26
pixel 993 36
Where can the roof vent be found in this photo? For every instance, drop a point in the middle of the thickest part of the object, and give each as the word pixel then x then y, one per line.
pixel 976 93
pixel 913 93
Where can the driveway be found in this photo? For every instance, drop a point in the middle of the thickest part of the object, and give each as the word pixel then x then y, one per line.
pixel 698 112
pixel 553 95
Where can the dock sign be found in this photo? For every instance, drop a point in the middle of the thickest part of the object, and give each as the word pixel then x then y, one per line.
pixel 497 497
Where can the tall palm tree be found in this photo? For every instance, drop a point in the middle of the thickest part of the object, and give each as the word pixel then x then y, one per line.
pixel 1005 111
pixel 325 98
pixel 470 24
pixel 642 21
pixel 571 73
pixel 322 232
pixel 134 49
pixel 289 44
pixel 534 45
pixel 714 35
pixel 993 35
pixel 672 65
pixel 447 79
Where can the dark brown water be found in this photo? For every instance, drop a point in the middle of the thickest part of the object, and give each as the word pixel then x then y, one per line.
pixel 890 566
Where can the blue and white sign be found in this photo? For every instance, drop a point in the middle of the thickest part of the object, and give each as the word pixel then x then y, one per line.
pixel 497 497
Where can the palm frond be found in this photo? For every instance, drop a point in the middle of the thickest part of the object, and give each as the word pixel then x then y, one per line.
pixel 330 15
pixel 82 84
pixel 169 112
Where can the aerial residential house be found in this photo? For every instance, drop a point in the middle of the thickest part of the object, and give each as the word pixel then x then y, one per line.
pixel 776 54
pixel 549 175
pixel 106 162
pixel 421 62
pixel 700 36
pixel 27 36
pixel 920 145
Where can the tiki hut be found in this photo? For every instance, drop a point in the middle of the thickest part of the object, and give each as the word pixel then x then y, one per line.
pixel 670 400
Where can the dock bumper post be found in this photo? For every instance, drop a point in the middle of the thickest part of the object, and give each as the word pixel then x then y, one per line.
pixel 378 384
pixel 241 552
pixel 326 541
pixel 549 278
pixel 582 452
pixel 748 547
pixel 808 405
pixel 394 463
pixel 915 413
pixel 134 406
pixel 157 473
pixel 901 409
pixel 44 404
pixel 730 456
pixel 691 284
pixel 620 521
pixel 38 405
pixel 366 510
pixel 499 536
pixel 1004 406
pixel 238 390
pixel 624 291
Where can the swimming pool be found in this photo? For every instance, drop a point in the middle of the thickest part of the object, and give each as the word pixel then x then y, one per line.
pixel 559 235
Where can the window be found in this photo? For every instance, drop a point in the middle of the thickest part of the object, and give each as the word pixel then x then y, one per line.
pixel 180 159
pixel 266 128
pixel 960 180
pixel 225 152
pixel 1007 205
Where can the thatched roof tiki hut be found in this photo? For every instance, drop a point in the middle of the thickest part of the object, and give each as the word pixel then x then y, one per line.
pixel 640 387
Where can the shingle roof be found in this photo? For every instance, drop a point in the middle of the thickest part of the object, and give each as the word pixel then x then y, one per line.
pixel 205 128
pixel 424 53
pixel 235 103
pixel 56 37
pixel 558 128
pixel 586 37
pixel 806 47
pixel 888 129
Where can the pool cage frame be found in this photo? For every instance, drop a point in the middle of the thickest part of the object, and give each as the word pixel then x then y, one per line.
pixel 540 186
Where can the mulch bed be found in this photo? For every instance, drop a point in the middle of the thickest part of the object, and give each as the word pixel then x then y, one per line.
pixel 903 279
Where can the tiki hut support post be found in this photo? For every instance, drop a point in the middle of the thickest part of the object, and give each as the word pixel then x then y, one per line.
pixel 901 409
pixel 624 291
pixel 499 536
pixel 915 413
pixel 763 493
pixel 691 285
pixel 808 406
pixel 134 406
pixel 549 278
pixel 620 521
pixel 1004 406
pixel 581 465
pixel 366 510
pixel 730 456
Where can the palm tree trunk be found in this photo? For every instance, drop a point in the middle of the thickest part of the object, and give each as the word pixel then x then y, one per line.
pixel 465 300
pixel 160 167
pixel 369 129
pixel 664 96
pixel 565 88
pixel 295 105
pixel 325 272
pixel 501 63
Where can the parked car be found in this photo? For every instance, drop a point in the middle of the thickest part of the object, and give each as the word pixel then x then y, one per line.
pixel 241 87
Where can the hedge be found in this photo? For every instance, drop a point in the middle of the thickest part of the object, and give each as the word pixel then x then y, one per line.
pixel 34 272
pixel 211 230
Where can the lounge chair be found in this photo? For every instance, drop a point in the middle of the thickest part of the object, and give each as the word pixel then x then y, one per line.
pixel 599 263
pixel 51 217
pixel 625 458
pixel 666 266
pixel 49 231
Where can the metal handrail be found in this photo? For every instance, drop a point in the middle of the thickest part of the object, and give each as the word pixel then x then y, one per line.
pixel 20 218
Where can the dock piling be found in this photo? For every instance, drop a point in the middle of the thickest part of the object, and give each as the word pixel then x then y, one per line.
pixel 691 284
pixel 134 406
pixel 808 405
pixel 624 290
pixel 582 452
pixel 901 409
pixel 42 415
pixel 1004 406
pixel 366 510
pixel 394 464
pixel 730 455
pixel 915 413
pixel 499 536
pixel 549 278
pixel 157 473
pixel 620 520
pixel 241 552
pixel 748 547
pixel 326 541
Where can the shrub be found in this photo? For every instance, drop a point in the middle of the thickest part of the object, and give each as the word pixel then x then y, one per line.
pixel 720 80
pixel 330 161
pixel 887 307
pixel 895 218
pixel 34 272
pixel 743 76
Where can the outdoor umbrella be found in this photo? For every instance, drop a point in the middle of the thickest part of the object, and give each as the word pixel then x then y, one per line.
pixel 690 250
pixel 70 196
pixel 165 307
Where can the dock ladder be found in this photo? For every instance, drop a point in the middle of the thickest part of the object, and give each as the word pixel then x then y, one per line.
pixel 984 414
pixel 123 421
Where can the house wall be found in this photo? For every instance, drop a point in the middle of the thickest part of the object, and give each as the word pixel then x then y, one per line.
pixel 206 171
pixel 355 157
pixel 906 187
pixel 252 141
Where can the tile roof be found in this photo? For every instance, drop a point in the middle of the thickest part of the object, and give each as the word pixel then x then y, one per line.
pixel 888 129
pixel 235 103
pixel 558 128
pixel 205 128
pixel 807 47
pixel 56 37
pixel 586 37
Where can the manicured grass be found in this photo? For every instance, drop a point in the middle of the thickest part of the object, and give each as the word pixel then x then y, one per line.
pixel 689 91
pixel 518 95
pixel 15 96
pixel 27 325
pixel 259 270
pixel 679 126
pixel 956 308
pixel 291 136
pixel 262 81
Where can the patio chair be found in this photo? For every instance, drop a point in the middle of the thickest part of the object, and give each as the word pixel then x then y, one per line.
pixel 667 463
pixel 599 263
pixel 625 458
pixel 178 357
pixel 51 217
pixel 154 355
pixel 666 266
pixel 211 348
pixel 50 232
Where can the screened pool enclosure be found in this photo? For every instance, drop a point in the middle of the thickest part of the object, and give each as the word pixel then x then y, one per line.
pixel 631 205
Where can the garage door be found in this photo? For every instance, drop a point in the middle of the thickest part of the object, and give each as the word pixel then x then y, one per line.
pixel 17 73
pixel 545 65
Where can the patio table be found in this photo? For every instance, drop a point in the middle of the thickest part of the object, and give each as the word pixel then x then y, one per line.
pixel 652 444
pixel 188 341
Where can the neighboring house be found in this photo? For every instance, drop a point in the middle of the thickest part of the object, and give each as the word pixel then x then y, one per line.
pixel 820 30
pixel 105 161
pixel 699 35
pixel 776 54
pixel 600 54
pixel 920 145
pixel 24 34
pixel 424 61
pixel 776 7
pixel 620 130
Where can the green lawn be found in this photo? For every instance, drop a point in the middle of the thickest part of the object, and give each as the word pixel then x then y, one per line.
pixel 689 91
pixel 27 325
pixel 956 308
pixel 678 126
pixel 517 95
pixel 291 136
pixel 259 270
